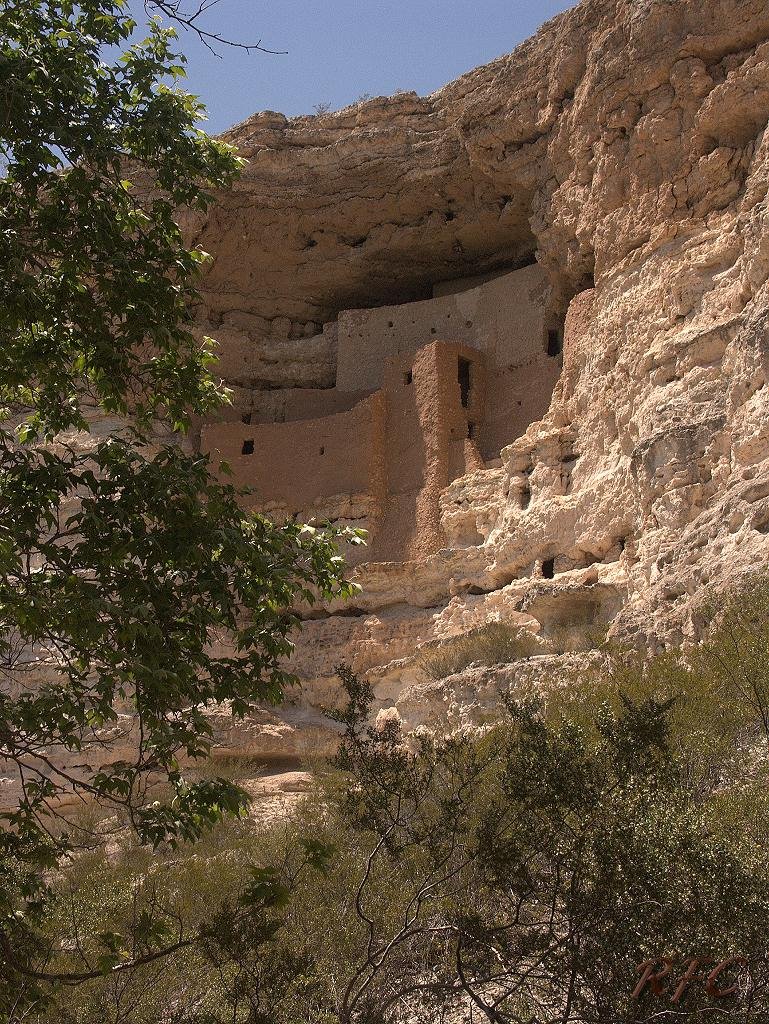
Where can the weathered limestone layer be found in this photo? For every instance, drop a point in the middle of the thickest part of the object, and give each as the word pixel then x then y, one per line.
pixel 624 147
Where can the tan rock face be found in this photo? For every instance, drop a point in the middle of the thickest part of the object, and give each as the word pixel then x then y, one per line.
pixel 625 148
pixel 586 224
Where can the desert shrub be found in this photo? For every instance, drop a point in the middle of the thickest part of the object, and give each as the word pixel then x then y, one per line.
pixel 494 643
pixel 519 877
pixel 734 657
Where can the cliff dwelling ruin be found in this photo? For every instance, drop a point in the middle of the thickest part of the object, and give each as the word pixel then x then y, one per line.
pixel 424 393
pixel 517 331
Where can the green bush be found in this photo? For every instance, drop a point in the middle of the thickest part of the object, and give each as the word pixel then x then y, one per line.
pixel 495 643
pixel 525 873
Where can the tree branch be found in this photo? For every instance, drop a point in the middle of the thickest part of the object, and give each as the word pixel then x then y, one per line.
pixel 189 20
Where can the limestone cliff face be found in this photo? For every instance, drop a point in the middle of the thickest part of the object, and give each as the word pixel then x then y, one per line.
pixel 624 147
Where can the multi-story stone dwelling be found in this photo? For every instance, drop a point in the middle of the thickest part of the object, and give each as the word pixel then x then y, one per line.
pixel 424 393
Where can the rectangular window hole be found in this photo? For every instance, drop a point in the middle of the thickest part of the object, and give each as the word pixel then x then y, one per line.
pixel 463 375
pixel 246 418
pixel 548 568
pixel 248 447
pixel 408 376
pixel 471 430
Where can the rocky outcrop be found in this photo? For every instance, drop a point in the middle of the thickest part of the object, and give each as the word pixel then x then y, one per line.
pixel 624 148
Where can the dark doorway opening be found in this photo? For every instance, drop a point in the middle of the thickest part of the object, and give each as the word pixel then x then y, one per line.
pixel 463 374
pixel 554 342
pixel 548 568
pixel 248 448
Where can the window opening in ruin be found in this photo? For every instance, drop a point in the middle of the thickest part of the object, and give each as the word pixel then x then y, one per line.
pixel 463 374
pixel 548 568
pixel 471 430
pixel 554 342
pixel 408 376
pixel 246 418
pixel 248 447
pixel 322 450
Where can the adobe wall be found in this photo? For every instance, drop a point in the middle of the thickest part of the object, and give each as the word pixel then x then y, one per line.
pixel 515 398
pixel 302 462
pixel 284 405
pixel 463 284
pixel 394 452
pixel 506 318
pixel 426 445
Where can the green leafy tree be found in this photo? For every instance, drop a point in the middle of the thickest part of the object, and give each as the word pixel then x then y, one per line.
pixel 134 588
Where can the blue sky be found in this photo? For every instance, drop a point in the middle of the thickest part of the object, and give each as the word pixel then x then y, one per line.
pixel 341 49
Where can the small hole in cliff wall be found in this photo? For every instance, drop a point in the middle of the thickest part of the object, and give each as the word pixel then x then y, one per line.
pixel 433 330
pixel 390 323
pixel 321 450
pixel 554 342
pixel 548 568
pixel 471 430
pixel 248 447
pixel 525 496
pixel 246 418
pixel 408 377
pixel 463 375
pixel 468 324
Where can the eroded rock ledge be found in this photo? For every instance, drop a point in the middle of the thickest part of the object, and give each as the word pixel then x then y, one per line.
pixel 602 190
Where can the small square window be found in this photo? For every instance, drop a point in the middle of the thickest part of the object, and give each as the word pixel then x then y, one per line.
pixel 248 447
pixel 471 430
pixel 322 450
pixel 246 418
pixel 408 377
